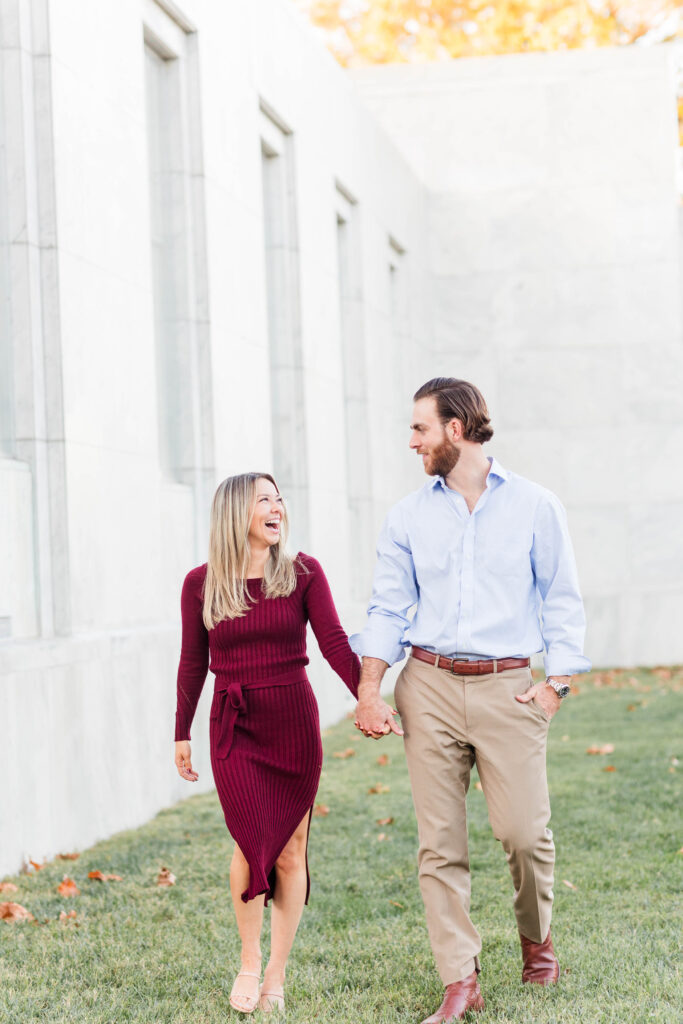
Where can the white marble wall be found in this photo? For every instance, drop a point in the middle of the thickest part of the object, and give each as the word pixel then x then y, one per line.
pixel 90 689
pixel 556 282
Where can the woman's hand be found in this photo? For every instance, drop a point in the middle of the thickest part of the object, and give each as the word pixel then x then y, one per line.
pixel 183 761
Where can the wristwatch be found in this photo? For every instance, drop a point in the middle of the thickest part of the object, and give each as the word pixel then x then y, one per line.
pixel 561 689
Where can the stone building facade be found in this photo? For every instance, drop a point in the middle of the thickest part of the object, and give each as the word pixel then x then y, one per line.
pixel 220 252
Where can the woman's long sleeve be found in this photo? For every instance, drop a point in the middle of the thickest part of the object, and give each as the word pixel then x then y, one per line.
pixel 194 654
pixel 331 637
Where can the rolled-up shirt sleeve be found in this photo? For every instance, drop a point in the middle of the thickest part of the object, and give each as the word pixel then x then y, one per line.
pixel 394 593
pixel 563 621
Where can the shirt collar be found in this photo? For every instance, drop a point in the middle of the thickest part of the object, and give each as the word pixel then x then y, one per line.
pixel 496 470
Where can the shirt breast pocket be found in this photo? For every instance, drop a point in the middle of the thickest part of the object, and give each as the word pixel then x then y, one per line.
pixel 506 555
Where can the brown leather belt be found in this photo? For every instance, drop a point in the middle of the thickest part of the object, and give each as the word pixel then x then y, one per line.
pixel 468 668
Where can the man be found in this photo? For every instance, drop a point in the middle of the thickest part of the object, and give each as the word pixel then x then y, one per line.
pixel 485 557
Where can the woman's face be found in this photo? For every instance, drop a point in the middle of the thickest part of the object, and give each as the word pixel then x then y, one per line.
pixel 267 511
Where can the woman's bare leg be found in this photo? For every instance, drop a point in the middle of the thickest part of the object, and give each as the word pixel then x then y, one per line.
pixel 249 917
pixel 288 904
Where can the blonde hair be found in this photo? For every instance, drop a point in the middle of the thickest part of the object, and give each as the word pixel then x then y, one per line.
pixel 225 592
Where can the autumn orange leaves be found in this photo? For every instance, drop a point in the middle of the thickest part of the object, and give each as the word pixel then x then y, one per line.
pixel 391 31
pixel 67 889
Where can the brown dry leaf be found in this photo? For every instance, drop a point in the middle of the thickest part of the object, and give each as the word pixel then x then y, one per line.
pixel 570 885
pixel 68 856
pixel 394 903
pixel 681 850
pixel 381 837
pixel 15 912
pixel 385 821
pixel 477 784
pixel 165 878
pixel 321 811
pixel 349 752
pixel 36 866
pixel 607 748
pixel 609 768
pixel 99 877
pixel 383 760
pixel 631 707
pixel 67 887
pixel 379 788
pixel 8 887
pixel 63 916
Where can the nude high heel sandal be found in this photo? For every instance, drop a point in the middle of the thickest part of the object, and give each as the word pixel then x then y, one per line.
pixel 250 1002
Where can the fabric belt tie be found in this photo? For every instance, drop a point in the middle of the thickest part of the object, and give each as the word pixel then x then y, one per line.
pixel 469 668
pixel 228 704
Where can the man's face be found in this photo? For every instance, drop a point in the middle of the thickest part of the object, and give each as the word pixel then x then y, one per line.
pixel 431 441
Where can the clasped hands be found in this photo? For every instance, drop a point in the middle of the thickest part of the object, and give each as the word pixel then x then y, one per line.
pixel 375 718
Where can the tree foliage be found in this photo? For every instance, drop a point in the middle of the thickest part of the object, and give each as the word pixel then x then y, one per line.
pixel 389 31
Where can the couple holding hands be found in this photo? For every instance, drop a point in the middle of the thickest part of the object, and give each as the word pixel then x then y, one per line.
pixel 484 558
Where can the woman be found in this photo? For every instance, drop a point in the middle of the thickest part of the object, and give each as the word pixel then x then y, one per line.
pixel 247 610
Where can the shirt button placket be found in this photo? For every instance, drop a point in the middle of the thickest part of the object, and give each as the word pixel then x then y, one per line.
pixel 467 589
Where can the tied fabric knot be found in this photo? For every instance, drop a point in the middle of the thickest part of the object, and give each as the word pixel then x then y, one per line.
pixel 228 704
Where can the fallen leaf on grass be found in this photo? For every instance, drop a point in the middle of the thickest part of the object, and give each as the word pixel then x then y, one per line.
pixel 381 837
pixel 8 887
pixel 631 707
pixel 63 916
pixel 681 850
pixel 379 788
pixel 607 748
pixel 383 760
pixel 68 856
pixel 349 752
pixel 565 738
pixel 165 878
pixel 67 887
pixel 99 877
pixel 662 673
pixel 570 885
pixel 321 811
pixel 32 865
pixel 385 821
pixel 15 912
pixel 394 903
pixel 477 784
pixel 609 768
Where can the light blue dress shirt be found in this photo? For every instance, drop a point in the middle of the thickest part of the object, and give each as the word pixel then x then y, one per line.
pixel 499 582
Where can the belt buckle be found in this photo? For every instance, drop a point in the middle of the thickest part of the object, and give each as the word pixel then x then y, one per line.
pixel 454 661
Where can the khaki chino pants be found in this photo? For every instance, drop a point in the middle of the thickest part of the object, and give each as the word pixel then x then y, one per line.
pixel 452 722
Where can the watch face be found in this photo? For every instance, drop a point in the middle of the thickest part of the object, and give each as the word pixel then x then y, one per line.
pixel 563 690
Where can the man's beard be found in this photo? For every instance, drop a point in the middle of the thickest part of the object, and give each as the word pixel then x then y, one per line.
pixel 442 459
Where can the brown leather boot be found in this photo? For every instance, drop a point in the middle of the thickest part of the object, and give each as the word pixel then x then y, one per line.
pixel 541 966
pixel 458 998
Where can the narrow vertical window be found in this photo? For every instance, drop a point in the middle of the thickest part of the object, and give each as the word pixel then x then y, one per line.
pixel 168 213
pixel 357 439
pixel 288 418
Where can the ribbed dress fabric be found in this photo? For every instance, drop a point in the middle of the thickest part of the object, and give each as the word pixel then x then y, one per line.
pixel 266 752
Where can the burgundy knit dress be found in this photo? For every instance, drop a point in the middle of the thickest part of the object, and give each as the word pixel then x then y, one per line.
pixel 266 752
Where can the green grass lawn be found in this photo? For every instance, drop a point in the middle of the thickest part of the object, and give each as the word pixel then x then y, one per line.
pixel 139 953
